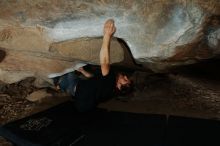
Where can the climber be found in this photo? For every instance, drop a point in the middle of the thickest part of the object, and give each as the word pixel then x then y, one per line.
pixel 94 89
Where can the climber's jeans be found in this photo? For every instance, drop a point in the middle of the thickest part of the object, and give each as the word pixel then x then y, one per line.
pixel 68 82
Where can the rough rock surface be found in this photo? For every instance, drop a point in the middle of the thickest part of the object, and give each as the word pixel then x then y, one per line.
pixel 158 33
pixel 38 95
pixel 39 37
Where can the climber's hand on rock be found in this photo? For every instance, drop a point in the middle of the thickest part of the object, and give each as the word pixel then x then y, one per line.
pixel 109 28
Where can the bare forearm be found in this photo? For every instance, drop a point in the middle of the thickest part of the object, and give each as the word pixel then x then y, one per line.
pixel 109 29
pixel 105 50
pixel 87 74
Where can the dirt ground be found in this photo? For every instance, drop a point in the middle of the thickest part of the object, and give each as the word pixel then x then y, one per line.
pixel 193 91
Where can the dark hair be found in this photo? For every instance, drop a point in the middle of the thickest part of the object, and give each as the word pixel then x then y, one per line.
pixel 125 89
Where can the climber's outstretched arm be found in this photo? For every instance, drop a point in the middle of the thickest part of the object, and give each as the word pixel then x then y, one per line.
pixel 108 31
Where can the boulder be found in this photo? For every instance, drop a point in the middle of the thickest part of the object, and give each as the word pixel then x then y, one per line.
pixel 41 37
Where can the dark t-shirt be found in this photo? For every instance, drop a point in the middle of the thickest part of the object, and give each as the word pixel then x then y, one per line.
pixel 94 90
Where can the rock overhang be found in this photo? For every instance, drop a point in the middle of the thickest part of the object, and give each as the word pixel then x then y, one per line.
pixel 159 34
